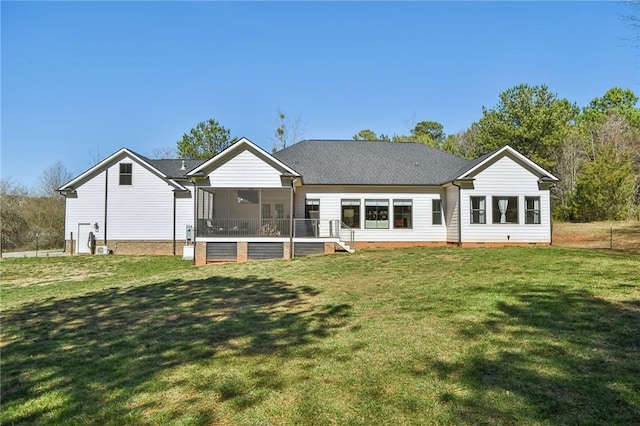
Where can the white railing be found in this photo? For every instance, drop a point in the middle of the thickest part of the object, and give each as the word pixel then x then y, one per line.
pixel 342 231
pixel 302 228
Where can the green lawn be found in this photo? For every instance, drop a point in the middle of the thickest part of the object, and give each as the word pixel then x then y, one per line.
pixel 538 336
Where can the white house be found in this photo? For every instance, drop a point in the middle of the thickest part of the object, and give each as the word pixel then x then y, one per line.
pixel 312 197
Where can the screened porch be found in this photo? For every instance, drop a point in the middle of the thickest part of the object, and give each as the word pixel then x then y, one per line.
pixel 243 212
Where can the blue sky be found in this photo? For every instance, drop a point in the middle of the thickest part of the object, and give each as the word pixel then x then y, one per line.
pixel 82 79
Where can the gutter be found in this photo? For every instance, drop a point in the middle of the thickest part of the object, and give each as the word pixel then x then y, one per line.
pixel 106 200
pixel 453 182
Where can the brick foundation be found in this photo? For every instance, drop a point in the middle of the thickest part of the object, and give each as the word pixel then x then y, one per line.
pixel 329 248
pixel 200 254
pixel 286 248
pixel 397 244
pixel 130 247
pixel 510 244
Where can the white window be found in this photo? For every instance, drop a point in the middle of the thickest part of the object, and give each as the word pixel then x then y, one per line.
pixel 376 214
pixel 505 209
pixel 478 210
pixel 532 210
pixel 125 174
pixel 402 214
pixel 312 209
pixel 351 213
pixel 436 212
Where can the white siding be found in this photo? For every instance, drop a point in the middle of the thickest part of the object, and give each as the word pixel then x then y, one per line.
pixel 245 170
pixel 330 208
pixel 452 214
pixel 505 177
pixel 142 210
pixel 184 213
pixel 87 206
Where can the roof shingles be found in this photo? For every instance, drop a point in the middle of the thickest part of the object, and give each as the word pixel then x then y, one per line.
pixel 348 162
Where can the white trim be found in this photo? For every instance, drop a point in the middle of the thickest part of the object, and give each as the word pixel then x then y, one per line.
pixel 513 152
pixel 238 145
pixel 123 151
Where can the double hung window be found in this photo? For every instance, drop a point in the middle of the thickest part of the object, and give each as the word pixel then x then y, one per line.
pixel 478 210
pixel 125 174
pixel 436 212
pixel 532 210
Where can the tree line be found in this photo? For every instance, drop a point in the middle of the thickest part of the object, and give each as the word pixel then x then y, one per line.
pixel 594 150
pixel 33 219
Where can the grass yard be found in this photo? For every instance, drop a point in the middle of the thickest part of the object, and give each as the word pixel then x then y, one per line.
pixel 622 236
pixel 533 336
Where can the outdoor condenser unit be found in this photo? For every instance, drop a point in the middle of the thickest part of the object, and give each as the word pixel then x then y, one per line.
pixel 102 250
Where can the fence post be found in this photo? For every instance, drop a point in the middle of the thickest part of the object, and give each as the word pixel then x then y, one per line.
pixel 611 237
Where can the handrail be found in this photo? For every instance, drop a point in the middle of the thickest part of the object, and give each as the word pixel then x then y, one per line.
pixel 338 226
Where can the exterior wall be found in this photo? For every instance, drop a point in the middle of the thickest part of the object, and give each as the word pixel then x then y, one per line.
pixel 141 212
pixel 400 244
pixel 86 206
pixel 330 209
pixel 184 213
pixel 137 247
pixel 246 170
pixel 144 247
pixel 506 177
pixel 452 214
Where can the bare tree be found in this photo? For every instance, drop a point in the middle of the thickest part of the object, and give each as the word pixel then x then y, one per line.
pixel 52 178
pixel 633 19
pixel 289 131
pixel 12 207
pixel 163 153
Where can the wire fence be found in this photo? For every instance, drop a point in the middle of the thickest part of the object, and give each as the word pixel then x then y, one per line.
pixel 619 236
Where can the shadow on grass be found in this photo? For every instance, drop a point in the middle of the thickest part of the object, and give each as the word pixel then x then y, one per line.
pixel 83 358
pixel 557 357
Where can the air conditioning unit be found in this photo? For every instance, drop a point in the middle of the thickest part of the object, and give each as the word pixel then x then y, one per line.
pixel 102 250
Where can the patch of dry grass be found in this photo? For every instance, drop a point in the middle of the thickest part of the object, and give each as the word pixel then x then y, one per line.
pixel 623 236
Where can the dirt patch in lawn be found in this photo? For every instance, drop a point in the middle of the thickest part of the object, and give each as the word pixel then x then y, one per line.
pixel 624 236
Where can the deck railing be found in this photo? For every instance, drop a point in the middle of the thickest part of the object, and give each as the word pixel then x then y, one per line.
pixel 302 228
pixel 241 227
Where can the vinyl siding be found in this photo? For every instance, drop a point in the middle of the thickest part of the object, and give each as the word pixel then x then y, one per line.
pixel 330 209
pixel 142 210
pixel 87 206
pixel 245 170
pixel 452 214
pixel 184 213
pixel 506 177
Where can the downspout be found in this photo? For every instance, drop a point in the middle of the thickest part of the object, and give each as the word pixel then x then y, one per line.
pixel 195 220
pixel 174 223
pixel 459 214
pixel 291 222
pixel 550 214
pixel 106 198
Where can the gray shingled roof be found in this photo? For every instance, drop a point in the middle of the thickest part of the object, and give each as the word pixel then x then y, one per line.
pixel 348 162
pixel 172 168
